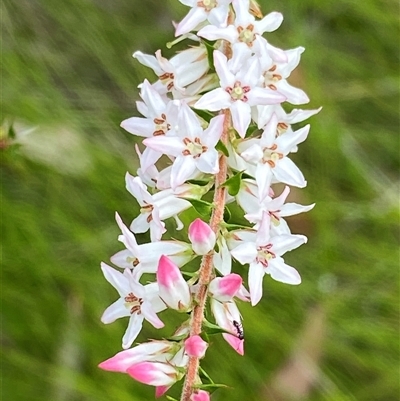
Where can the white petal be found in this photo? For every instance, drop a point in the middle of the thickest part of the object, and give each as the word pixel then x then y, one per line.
pixel 150 315
pixel 263 178
pixel 287 172
pixel 191 20
pixel 287 142
pixel 285 243
pixel 293 95
pixel 282 272
pixel 165 144
pixel 134 327
pixel 148 61
pixel 116 279
pixel 213 33
pixel 265 96
pixel 256 274
pixel 115 311
pixel 226 77
pixel 138 126
pixel 218 16
pixel 245 252
pixel 213 132
pixel 182 169
pixel 269 23
pixel 215 100
pixel 123 259
pixel 208 162
pixel 290 209
pixel 241 117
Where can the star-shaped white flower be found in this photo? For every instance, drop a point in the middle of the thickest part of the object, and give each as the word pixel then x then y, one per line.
pixel 248 199
pixel 213 11
pixel 268 154
pixel 239 90
pixel 245 30
pixel 193 147
pixel 144 258
pixel 178 72
pixel 263 254
pixel 136 301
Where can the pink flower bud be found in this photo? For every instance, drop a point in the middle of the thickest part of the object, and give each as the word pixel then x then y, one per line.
pixel 200 395
pixel 120 362
pixel 161 390
pixel 196 346
pixel 225 288
pixel 202 237
pixel 173 289
pixel 154 373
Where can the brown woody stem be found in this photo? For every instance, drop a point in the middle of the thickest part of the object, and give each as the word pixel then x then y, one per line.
pixel 206 267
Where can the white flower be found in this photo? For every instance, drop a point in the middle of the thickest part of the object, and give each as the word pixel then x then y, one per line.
pixel 213 11
pixel 136 301
pixel 246 29
pixel 239 90
pixel 268 154
pixel 193 148
pixel 144 258
pixel 181 70
pixel 263 254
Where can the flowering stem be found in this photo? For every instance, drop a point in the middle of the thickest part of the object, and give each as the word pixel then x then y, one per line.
pixel 206 268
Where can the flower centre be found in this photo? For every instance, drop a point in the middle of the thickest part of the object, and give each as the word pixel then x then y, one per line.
pixel 167 79
pixel 147 208
pixel 281 128
pixel 271 78
pixel 133 303
pixel 271 156
pixel 238 92
pixel 208 5
pixel 161 127
pixel 265 254
pixel 133 260
pixel 194 148
pixel 246 35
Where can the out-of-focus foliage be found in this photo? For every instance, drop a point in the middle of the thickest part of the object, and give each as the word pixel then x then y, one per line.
pixel 67 72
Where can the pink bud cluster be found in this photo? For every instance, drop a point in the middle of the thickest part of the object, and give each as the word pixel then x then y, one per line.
pixel 223 129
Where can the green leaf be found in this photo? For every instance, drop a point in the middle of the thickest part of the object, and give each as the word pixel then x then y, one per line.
pixel 222 148
pixel 211 328
pixel 205 374
pixel 202 207
pixel 210 53
pixel 233 183
pixel 227 214
pixel 171 398
pixel 211 386
pixel 205 115
pixel 231 227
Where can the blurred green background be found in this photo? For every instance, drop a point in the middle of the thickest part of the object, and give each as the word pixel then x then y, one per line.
pixel 68 79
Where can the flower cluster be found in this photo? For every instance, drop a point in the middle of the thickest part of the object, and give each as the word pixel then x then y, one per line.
pixel 214 115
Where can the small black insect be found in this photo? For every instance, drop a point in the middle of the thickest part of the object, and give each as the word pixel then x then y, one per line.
pixel 239 330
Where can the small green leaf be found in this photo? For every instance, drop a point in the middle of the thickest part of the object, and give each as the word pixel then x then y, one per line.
pixel 177 338
pixel 202 207
pixel 227 214
pixel 210 53
pixel 231 227
pixel 212 386
pixel 169 398
pixel 211 328
pixel 205 115
pixel 205 374
pixel 233 183
pixel 222 148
